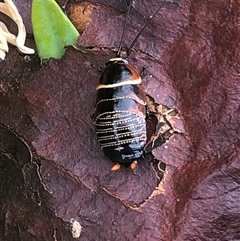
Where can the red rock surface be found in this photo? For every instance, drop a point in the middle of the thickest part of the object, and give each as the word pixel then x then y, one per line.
pixel 52 169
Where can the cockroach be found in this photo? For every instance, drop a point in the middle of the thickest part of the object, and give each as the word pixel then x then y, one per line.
pixel 120 111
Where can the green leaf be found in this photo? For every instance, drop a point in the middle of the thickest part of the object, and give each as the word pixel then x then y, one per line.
pixel 52 29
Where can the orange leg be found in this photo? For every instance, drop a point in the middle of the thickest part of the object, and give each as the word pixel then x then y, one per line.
pixel 116 167
pixel 133 165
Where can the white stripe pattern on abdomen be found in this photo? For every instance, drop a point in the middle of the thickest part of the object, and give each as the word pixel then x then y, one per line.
pixel 117 128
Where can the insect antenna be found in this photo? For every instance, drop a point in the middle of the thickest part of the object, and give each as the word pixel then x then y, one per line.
pixel 124 28
pixel 140 32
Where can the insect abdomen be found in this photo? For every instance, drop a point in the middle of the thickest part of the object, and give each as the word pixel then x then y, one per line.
pixel 121 133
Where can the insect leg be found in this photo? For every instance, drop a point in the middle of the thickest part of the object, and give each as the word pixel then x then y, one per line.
pixel 116 167
pixel 133 165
